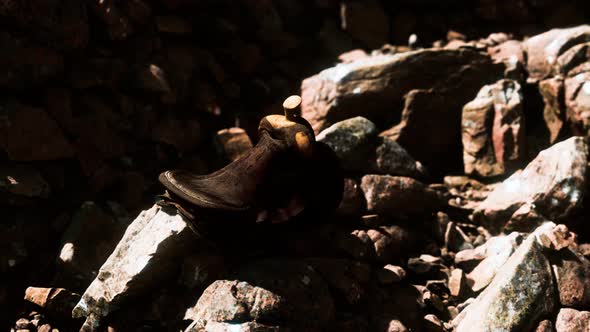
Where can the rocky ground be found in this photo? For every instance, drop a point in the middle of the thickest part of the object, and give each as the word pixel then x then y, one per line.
pixel 464 149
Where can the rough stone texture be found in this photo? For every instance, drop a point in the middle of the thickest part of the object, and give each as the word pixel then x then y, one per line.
pixel 545 326
pixel 352 140
pixel 552 91
pixel 572 273
pixel 398 196
pixel 511 54
pixel 519 295
pixel 572 58
pixel 393 159
pixel 57 301
pixel 356 144
pixel 493 133
pixel 148 252
pixel 81 254
pixel 230 327
pixel 497 252
pixel 544 49
pixel 232 143
pixel 374 87
pixel 577 102
pixel 571 320
pixel 26 140
pixel 389 242
pixel 552 185
pixel 277 293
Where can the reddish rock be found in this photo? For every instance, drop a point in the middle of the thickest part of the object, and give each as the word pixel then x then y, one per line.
pixel 29 134
pixel 572 58
pixel 374 87
pixel 577 102
pixel 553 185
pixel 232 143
pixel 390 242
pixel 512 55
pixel 552 91
pixel 398 196
pixel 56 301
pixel 493 130
pixel 571 320
pixel 347 278
pixel 23 181
pixel 572 273
pixel 544 49
pixel 273 292
pixel 365 21
pixel 458 283
pixel 390 274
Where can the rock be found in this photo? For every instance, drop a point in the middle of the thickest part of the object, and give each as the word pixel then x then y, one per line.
pixel 352 56
pixel 22 181
pixel 393 159
pixel 356 144
pixel 458 283
pixel 197 326
pixel 365 21
pixel 397 307
pixel 56 301
pixel 555 237
pixel 511 54
pixel 544 49
pixel 23 323
pixel 232 143
pixel 353 202
pixel 572 274
pixel 571 320
pixel 390 242
pixel 200 270
pixel 455 239
pixel 552 91
pixel 428 267
pixel 346 278
pixel 493 130
pixel 374 87
pixel 152 78
pixel 149 252
pixel 545 326
pixel 432 324
pixel 398 196
pixel 553 185
pixel 497 252
pixel 29 134
pixel 87 242
pixel 277 293
pixel 352 140
pixel 44 328
pixel 577 102
pixel 572 58
pixel 520 293
pixel 396 326
pixel 390 274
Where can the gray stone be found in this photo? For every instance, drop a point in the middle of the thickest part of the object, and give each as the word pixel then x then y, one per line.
pixel 352 141
pixel 520 294
pixel 150 250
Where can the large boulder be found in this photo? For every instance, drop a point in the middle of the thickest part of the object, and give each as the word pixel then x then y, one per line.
pixel 552 91
pixel 553 185
pixel 493 130
pixel 399 196
pixel 577 102
pixel 572 274
pixel 150 251
pixel 544 49
pixel 519 295
pixel 374 86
